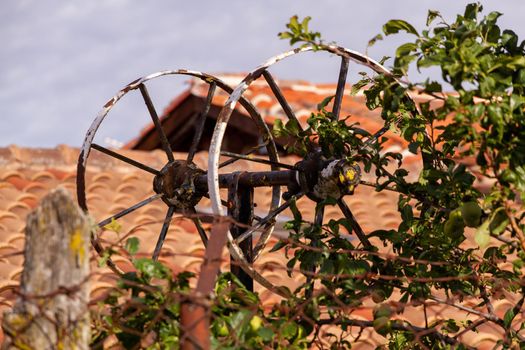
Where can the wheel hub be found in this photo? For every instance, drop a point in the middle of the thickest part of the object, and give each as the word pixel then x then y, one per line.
pixel 323 178
pixel 176 183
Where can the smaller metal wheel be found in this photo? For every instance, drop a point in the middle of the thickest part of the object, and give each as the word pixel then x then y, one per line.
pixel 180 183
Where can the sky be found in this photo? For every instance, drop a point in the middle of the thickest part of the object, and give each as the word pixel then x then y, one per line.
pixel 61 60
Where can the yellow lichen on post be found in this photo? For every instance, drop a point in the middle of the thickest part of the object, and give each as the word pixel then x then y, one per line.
pixel 77 245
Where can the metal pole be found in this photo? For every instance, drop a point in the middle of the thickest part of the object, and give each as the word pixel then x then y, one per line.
pixel 241 212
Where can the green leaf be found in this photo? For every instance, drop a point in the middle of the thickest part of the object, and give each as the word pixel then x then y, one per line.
pixel 278 128
pixel 498 221
pixel 293 127
pixel 509 316
pixel 358 86
pixel 394 26
pixel 375 39
pixel 289 330
pixel 293 24
pixel 384 59
pixel 405 49
pixel 132 245
pixel 279 245
pixel 482 236
pixel 304 24
pixel 150 268
pixel 324 102
pixel 358 268
pixel 266 334
pixel 102 261
pixel 472 10
pixel 432 15
pixel 284 35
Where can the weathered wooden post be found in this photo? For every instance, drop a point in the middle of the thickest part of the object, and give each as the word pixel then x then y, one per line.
pixel 52 310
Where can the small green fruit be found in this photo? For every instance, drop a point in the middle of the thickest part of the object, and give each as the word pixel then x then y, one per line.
pixel 221 329
pixel 378 296
pixel 471 213
pixel 382 310
pixel 255 323
pixel 455 225
pixel 382 325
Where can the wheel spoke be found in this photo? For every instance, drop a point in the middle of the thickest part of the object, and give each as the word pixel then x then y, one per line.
pixel 200 122
pixel 257 160
pixel 124 159
pixel 354 224
pixel 163 232
pixel 223 202
pixel 129 210
pixel 280 97
pixel 153 113
pixel 266 220
pixel 343 72
pixel 198 225
pixel 233 160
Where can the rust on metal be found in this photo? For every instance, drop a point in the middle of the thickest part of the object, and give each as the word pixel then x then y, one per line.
pixel 341 82
pixel 241 211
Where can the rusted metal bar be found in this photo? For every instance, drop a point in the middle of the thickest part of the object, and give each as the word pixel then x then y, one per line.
pixel 255 179
pixel 256 160
pixel 267 219
pixel 259 179
pixel 241 212
pixel 198 225
pixel 341 82
pixel 163 232
pixel 233 160
pixel 200 122
pixel 280 97
pixel 153 113
pixel 124 159
pixel 353 223
pixel 129 210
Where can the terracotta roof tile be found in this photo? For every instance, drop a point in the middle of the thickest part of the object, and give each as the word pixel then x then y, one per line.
pixel 112 186
pixel 20 209
pixel 29 199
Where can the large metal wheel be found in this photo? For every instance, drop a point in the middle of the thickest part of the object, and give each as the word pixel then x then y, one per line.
pixel 307 174
pixel 180 184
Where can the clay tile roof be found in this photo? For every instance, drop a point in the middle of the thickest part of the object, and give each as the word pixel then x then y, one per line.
pixel 28 174
pixel 113 186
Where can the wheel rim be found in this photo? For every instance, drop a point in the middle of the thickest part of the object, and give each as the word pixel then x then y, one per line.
pixel 222 121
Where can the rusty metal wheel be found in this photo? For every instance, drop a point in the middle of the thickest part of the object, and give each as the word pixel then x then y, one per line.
pixel 180 184
pixel 306 177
